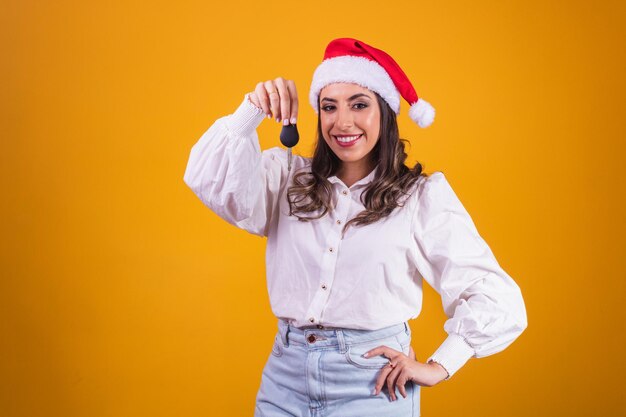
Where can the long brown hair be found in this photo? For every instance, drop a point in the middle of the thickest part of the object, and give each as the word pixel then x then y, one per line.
pixel 312 192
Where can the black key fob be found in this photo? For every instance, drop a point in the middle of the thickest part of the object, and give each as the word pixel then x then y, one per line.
pixel 289 136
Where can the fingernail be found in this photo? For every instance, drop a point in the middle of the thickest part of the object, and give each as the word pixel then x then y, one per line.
pixel 374 392
pixel 278 120
pixel 293 120
pixel 285 122
pixel 366 354
pixel 269 116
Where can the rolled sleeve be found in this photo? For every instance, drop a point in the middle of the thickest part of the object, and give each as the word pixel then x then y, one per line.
pixel 452 354
pixel 245 119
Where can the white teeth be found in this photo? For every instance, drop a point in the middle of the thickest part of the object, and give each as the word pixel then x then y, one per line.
pixel 346 139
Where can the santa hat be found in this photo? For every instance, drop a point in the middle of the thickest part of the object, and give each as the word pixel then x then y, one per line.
pixel 352 61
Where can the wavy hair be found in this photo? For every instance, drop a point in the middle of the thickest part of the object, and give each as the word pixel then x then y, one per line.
pixel 312 192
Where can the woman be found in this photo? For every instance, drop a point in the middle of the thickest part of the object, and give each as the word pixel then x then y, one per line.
pixel 351 233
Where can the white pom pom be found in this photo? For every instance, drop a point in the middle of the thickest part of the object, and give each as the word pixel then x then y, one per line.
pixel 422 113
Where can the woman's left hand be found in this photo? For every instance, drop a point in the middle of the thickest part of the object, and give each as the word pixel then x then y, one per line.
pixel 402 369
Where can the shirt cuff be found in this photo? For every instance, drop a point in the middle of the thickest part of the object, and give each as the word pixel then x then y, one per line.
pixel 246 118
pixel 452 354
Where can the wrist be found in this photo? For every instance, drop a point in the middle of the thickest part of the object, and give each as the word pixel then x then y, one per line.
pixel 252 100
pixel 440 372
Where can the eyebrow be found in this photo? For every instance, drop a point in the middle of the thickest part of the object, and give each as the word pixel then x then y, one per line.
pixel 350 99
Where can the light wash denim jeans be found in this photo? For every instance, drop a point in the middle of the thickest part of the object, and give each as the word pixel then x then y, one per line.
pixel 322 373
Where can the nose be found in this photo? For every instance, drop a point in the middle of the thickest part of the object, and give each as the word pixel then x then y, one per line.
pixel 345 119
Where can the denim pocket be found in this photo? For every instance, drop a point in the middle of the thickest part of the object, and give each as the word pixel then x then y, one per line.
pixel 404 339
pixel 277 349
pixel 354 354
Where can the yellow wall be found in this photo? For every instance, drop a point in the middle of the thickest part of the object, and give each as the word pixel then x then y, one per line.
pixel 122 295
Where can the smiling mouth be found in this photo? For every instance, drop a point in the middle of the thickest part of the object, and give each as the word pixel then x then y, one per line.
pixel 347 140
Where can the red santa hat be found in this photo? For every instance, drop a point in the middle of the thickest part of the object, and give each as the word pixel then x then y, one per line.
pixel 352 61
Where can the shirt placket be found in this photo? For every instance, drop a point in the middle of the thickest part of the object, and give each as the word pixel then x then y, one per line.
pixel 329 257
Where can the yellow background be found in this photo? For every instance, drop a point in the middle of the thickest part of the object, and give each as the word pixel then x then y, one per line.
pixel 122 295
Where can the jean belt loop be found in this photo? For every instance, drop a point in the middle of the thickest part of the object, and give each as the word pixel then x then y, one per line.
pixel 284 331
pixel 342 341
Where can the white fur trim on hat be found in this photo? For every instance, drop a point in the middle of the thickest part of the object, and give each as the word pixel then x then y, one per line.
pixel 358 70
pixel 422 113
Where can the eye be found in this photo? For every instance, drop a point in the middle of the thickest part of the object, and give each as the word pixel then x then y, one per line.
pixel 328 108
pixel 361 104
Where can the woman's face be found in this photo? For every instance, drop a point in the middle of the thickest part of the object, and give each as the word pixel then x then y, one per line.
pixel 350 120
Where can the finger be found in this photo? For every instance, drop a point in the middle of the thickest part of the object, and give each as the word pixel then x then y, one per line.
pixel 293 93
pixel 285 99
pixel 381 350
pixel 261 94
pixel 401 382
pixel 391 382
pixel 380 382
pixel 254 99
pixel 412 353
pixel 274 99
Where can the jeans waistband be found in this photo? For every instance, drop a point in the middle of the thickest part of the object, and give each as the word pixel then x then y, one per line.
pixel 328 337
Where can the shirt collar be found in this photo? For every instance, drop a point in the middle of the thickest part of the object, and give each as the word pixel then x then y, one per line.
pixel 362 182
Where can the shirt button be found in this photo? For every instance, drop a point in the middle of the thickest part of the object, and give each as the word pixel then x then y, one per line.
pixel 319 326
pixel 324 286
pixel 331 249
pixel 344 192
pixel 312 320
pixel 338 221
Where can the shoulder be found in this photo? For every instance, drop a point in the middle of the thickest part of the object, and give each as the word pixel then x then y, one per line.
pixel 434 193
pixel 429 184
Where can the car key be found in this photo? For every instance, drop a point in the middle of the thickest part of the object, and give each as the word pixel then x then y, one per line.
pixel 289 137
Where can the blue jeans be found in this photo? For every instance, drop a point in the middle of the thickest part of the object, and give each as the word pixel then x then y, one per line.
pixel 322 373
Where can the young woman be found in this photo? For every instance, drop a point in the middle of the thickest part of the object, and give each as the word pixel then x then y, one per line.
pixel 351 234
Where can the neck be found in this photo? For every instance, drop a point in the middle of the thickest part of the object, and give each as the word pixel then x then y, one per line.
pixel 351 172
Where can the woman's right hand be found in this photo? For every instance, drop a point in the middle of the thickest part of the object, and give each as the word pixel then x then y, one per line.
pixel 278 99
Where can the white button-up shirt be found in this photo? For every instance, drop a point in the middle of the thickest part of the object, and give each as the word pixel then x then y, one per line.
pixel 371 277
